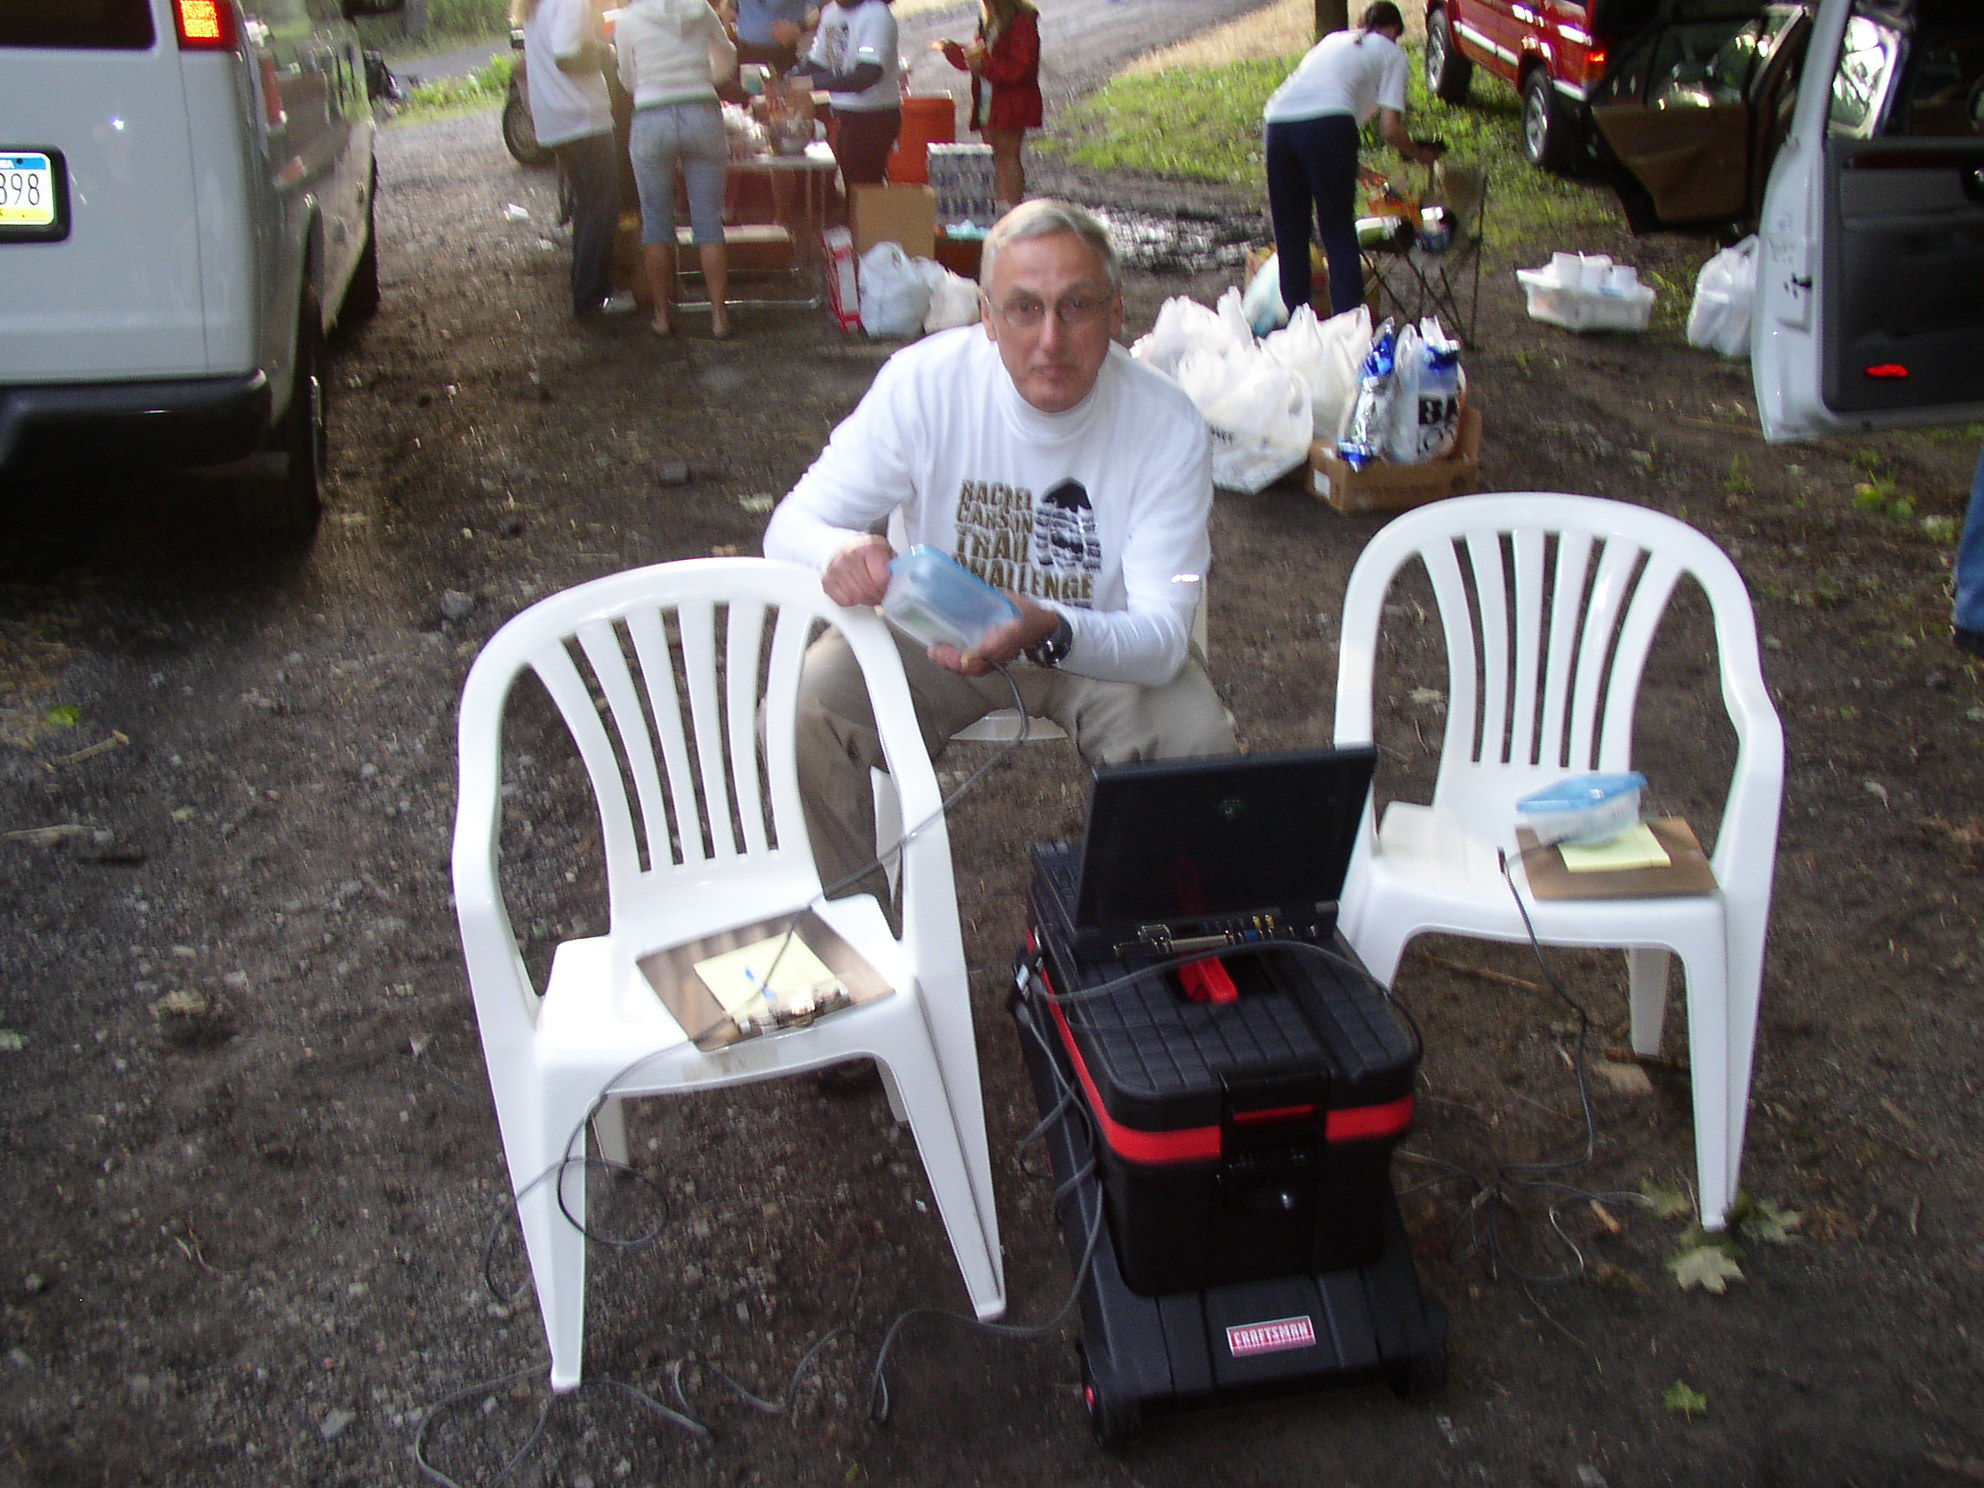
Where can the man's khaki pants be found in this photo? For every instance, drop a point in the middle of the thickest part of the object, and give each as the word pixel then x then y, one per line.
pixel 1110 723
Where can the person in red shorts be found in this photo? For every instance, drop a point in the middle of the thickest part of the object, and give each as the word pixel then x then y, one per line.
pixel 1004 63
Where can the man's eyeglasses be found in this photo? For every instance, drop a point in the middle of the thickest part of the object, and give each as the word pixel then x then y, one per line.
pixel 1075 311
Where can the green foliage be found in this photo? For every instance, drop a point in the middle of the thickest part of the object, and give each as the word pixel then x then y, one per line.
pixel 1204 124
pixel 1684 1400
pixel 482 87
pixel 446 20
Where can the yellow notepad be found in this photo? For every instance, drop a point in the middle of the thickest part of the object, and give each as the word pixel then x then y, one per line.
pixel 1636 847
pixel 737 979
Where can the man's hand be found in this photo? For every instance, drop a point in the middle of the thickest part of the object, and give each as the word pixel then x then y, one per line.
pixel 1004 645
pixel 786 33
pixel 859 573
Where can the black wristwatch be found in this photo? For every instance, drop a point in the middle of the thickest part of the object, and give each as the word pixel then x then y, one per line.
pixel 1051 651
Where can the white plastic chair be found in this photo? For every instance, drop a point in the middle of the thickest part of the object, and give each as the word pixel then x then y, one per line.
pixel 713 839
pixel 1532 591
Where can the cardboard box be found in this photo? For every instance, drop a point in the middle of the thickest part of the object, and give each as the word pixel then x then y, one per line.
pixel 755 248
pixel 899 214
pixel 1384 487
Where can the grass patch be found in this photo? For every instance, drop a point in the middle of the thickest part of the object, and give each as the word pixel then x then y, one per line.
pixel 446 95
pixel 1204 124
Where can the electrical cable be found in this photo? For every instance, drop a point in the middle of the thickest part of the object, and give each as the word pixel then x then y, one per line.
pixel 1069 1100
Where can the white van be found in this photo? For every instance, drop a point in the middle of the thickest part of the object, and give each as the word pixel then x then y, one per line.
pixel 1870 287
pixel 185 210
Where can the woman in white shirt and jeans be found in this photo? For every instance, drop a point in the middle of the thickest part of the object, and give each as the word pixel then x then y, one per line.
pixel 1311 145
pixel 670 51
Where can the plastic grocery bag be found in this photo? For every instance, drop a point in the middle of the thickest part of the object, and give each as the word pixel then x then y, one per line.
pixel 1258 409
pixel 953 298
pixel 1184 325
pixel 1724 291
pixel 1262 303
pixel 1325 354
pixel 894 298
pixel 1427 396
pixel 1367 431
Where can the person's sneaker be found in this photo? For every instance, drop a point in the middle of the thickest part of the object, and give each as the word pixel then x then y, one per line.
pixel 1968 641
pixel 620 302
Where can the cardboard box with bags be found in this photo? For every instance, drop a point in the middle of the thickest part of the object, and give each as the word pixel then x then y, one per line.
pixel 1383 486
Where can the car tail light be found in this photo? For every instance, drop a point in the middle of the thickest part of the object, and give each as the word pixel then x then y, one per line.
pixel 1888 372
pixel 1594 62
pixel 205 25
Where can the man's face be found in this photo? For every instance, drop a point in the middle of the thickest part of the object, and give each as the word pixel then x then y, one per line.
pixel 1053 314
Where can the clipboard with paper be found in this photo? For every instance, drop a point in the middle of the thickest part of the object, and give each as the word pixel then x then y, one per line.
pixel 760 978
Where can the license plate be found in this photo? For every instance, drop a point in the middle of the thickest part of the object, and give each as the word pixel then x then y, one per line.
pixel 32 194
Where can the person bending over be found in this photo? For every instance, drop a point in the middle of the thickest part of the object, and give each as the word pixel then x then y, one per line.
pixel 1311 145
pixel 1036 452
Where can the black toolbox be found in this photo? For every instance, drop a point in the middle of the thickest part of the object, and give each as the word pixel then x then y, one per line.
pixel 1237 1141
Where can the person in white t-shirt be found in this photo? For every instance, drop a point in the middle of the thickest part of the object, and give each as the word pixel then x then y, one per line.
pixel 1034 450
pixel 1311 146
pixel 854 59
pixel 573 116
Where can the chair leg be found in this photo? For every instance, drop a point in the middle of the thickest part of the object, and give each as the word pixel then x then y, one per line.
pixel 609 1131
pixel 912 1069
pixel 1646 983
pixel 555 1244
pixel 1709 1071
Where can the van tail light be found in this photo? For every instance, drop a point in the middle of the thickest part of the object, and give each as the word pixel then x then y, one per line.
pixel 1888 372
pixel 205 25
pixel 1594 63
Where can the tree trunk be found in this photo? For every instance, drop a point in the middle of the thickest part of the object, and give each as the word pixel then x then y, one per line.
pixel 1332 15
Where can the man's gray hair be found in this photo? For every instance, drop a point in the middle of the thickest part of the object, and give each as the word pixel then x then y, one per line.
pixel 1042 217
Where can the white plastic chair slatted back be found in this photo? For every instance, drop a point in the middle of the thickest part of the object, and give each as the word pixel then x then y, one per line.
pixel 663 676
pixel 1549 605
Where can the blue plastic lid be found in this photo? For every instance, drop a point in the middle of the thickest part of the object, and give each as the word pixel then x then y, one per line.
pixel 1581 792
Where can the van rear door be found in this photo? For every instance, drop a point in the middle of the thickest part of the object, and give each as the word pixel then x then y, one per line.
pixel 1870 295
pixel 92 109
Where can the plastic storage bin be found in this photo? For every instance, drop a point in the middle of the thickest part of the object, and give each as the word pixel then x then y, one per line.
pixel 939 602
pixel 1577 308
pixel 1584 808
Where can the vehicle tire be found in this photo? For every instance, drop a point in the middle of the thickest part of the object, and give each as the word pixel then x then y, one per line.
pixel 520 135
pixel 1546 124
pixel 1447 71
pixel 286 509
pixel 1113 1419
pixel 361 296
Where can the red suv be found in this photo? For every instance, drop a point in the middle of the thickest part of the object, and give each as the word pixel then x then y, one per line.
pixel 1553 51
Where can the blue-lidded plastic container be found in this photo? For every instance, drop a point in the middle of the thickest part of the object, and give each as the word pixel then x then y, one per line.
pixel 1584 808
pixel 936 600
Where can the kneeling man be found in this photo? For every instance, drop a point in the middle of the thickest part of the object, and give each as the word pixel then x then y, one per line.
pixel 1034 450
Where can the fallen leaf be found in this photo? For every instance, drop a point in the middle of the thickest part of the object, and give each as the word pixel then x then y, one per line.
pixel 1760 1219
pixel 184 814
pixel 757 502
pixel 1684 1400
pixel 1429 697
pixel 1707 1266
pixel 1668 1201
pixel 1606 1218
pixel 1617 1278
pixel 11 1042
pixel 1876 789
pixel 1627 1079
pixel 64 716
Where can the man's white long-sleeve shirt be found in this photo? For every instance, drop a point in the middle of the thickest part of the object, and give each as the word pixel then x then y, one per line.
pixel 1099 512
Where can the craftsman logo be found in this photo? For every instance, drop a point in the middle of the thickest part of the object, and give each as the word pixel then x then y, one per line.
pixel 1277 1337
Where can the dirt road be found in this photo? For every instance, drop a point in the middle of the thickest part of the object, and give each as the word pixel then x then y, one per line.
pixel 250 1147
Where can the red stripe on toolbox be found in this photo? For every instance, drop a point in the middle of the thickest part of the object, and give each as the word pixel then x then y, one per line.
pixel 1200 1143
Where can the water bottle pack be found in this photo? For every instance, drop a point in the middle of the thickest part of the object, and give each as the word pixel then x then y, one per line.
pixel 961 175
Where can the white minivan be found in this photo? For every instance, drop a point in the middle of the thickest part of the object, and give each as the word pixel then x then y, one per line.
pixel 1870 286
pixel 186 194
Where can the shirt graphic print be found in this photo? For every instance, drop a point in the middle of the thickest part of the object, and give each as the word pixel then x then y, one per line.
pixel 1045 546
